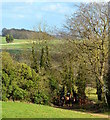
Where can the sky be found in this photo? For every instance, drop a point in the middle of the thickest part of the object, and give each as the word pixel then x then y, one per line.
pixel 29 15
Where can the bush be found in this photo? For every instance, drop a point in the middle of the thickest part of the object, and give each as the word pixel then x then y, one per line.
pixel 21 82
pixel 19 94
pixel 4 97
pixel 9 38
pixel 41 98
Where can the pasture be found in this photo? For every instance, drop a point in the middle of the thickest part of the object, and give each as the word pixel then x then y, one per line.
pixel 17 44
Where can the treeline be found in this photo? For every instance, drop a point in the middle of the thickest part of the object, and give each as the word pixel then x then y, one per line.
pixel 26 34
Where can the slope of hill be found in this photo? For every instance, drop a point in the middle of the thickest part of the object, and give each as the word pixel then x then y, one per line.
pixel 25 110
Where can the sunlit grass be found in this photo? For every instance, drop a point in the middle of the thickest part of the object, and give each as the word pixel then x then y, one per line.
pixel 25 110
pixel 91 93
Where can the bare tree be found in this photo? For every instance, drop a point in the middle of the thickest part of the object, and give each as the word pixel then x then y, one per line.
pixel 90 25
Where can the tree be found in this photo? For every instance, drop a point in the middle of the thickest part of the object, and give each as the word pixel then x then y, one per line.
pixel 90 25
pixel 81 82
pixel 67 75
pixel 34 64
pixel 19 81
pixel 45 58
pixel 42 59
pixel 108 74
pixel 9 38
pixel 48 64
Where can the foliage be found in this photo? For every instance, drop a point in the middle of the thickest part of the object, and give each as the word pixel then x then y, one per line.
pixel 34 63
pixel 90 25
pixel 19 81
pixel 45 58
pixel 81 82
pixel 41 98
pixel 9 38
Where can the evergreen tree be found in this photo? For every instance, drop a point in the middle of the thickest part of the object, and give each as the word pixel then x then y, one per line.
pixel 34 63
pixel 68 76
pixel 81 82
pixel 45 58
pixel 47 65
pixel 9 38
pixel 42 59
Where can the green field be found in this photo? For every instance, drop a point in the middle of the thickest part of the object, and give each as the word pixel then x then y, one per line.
pixel 27 43
pixel 17 44
pixel 26 110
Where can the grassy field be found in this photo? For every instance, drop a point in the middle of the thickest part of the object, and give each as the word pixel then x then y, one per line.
pixel 27 44
pixel 17 44
pixel 26 110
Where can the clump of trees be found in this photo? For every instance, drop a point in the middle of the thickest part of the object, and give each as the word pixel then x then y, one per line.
pixel 9 38
pixel 21 82
pixel 32 83
pixel 89 25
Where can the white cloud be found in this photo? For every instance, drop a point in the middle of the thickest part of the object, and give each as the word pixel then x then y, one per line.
pixel 57 7
pixel 51 7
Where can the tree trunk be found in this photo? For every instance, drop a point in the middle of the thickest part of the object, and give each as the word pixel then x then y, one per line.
pixel 99 90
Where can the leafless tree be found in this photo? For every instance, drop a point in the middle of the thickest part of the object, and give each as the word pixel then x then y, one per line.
pixel 90 25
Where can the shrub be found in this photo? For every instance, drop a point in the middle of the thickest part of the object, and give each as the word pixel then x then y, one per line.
pixel 19 94
pixel 9 38
pixel 41 98
pixel 4 97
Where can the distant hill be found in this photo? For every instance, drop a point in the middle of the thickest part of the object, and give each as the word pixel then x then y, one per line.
pixel 26 34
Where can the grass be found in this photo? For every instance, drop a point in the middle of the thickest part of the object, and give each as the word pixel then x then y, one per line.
pixel 3 40
pixel 27 44
pixel 17 44
pixel 26 110
pixel 91 93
